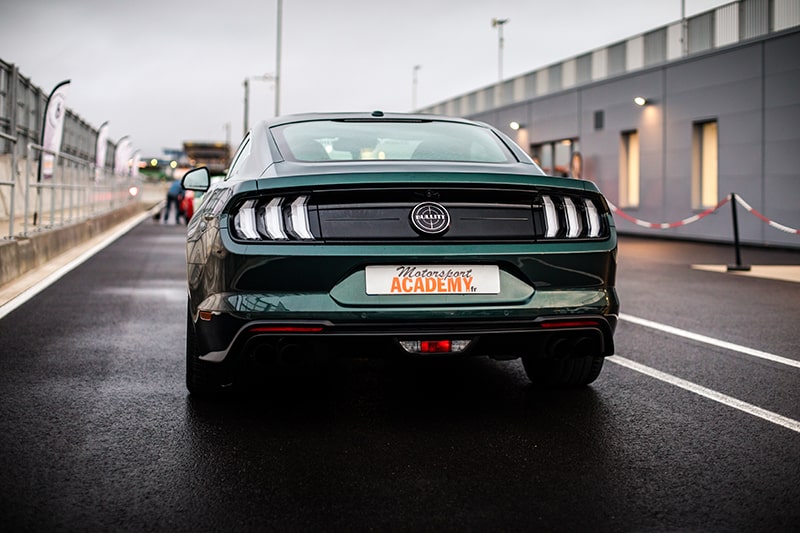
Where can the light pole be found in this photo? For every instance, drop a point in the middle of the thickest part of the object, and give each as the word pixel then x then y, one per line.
pixel 414 87
pixel 278 59
pixel 265 77
pixel 498 23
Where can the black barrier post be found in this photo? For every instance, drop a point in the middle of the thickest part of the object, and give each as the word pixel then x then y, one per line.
pixel 738 266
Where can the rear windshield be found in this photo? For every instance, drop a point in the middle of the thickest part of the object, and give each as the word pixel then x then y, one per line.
pixel 350 140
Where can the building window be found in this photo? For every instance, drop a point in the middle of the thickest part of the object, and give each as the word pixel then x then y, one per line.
pixel 705 164
pixel 629 169
pixel 599 120
pixel 554 157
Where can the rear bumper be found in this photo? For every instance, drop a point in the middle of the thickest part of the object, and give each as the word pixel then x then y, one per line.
pixel 247 324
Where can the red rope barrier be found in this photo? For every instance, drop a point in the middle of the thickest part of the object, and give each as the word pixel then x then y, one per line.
pixel 666 225
pixel 695 218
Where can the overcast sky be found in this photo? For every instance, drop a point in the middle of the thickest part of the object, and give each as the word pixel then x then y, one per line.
pixel 166 71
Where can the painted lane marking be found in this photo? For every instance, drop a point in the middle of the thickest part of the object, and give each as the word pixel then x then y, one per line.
pixel 710 340
pixel 724 399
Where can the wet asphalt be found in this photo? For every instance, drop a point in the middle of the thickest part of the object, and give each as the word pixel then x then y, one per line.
pixel 97 431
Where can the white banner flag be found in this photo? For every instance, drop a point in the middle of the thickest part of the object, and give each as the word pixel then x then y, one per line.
pixel 102 148
pixel 52 129
pixel 122 155
pixel 137 159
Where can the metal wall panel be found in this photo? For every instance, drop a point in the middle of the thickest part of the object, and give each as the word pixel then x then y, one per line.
pixel 674 41
pixel 485 99
pixel 519 88
pixel 655 47
pixel 554 78
pixel 507 93
pixel 472 103
pixel 634 53
pixel 787 14
pixel 531 84
pixel 616 59
pixel 726 27
pixel 542 82
pixel 701 33
pixel 754 18
pixel 583 69
pixel 600 64
pixel 568 74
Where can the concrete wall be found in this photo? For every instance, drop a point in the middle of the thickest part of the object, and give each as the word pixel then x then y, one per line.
pixel 22 255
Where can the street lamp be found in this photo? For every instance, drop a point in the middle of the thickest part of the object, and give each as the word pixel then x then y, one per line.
pixel 265 77
pixel 498 23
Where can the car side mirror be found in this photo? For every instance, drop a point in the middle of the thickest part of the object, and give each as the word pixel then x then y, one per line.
pixel 196 179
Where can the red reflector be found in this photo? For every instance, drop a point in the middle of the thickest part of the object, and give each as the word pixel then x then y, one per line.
pixel 571 324
pixel 435 346
pixel 285 329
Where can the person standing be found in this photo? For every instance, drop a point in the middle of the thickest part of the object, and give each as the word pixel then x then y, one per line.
pixel 576 166
pixel 174 194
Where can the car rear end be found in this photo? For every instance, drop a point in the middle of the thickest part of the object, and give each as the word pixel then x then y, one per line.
pixel 401 258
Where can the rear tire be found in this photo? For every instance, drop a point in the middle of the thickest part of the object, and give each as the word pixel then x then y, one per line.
pixel 571 372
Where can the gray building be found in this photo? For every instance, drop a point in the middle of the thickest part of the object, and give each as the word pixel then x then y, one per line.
pixel 719 113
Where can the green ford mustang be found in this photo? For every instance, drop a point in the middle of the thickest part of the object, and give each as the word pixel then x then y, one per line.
pixel 383 235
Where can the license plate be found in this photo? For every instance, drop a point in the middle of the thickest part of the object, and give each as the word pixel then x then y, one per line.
pixel 433 279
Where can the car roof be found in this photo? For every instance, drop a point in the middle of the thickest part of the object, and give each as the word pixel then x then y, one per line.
pixel 367 116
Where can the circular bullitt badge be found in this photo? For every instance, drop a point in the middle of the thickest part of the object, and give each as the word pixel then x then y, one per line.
pixel 430 218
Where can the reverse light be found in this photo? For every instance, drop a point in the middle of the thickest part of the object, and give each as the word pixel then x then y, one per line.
pixel 435 346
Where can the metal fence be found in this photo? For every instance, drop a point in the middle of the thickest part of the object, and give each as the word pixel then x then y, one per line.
pixel 79 189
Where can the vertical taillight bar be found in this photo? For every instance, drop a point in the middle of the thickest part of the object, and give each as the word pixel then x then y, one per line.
pixel 247 220
pixel 273 219
pixel 574 225
pixel 300 218
pixel 550 217
pixel 592 218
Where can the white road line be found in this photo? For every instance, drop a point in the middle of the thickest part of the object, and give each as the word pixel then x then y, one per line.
pixel 710 340
pixel 58 274
pixel 769 416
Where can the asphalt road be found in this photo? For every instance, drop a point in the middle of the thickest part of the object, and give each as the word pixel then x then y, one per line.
pixel 97 432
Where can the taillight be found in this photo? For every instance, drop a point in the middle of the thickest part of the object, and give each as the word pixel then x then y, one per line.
pixel 569 217
pixel 273 219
